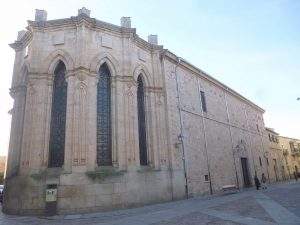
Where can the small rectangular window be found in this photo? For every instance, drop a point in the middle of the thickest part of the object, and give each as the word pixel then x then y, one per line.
pixel 203 101
pixel 260 163
pixel 205 177
pixel 267 161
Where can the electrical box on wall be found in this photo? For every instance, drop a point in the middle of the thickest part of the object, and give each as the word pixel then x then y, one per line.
pixel 51 199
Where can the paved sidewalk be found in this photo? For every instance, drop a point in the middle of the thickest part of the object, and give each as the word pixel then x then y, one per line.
pixel 279 204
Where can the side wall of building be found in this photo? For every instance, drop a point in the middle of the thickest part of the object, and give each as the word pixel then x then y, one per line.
pixel 190 151
pixel 212 142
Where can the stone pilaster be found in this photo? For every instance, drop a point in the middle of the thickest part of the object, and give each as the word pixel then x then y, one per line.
pixel 131 123
pixel 40 113
pixel 16 133
pixel 119 120
pixel 71 79
pixel 91 160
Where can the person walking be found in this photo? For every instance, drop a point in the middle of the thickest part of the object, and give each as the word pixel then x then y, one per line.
pixel 256 181
pixel 263 181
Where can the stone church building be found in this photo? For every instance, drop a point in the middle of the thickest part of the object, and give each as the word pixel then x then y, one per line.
pixel 103 119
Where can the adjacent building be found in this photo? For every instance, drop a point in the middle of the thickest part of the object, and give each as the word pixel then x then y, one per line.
pixel 103 119
pixel 275 156
pixel 2 164
pixel 291 150
pixel 283 156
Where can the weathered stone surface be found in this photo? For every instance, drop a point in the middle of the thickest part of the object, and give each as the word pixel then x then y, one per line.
pixel 182 139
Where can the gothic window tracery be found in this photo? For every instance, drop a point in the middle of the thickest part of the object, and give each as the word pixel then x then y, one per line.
pixel 104 151
pixel 58 117
pixel 142 121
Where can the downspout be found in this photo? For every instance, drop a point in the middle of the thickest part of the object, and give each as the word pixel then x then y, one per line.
pixel 181 136
pixel 205 142
pixel 170 167
pixel 232 145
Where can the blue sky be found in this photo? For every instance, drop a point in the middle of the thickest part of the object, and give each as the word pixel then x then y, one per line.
pixel 251 46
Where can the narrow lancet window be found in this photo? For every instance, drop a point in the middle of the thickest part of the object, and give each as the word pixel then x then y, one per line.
pixel 104 151
pixel 58 117
pixel 142 121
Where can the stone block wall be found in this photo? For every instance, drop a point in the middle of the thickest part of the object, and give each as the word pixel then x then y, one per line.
pixel 210 138
pixel 191 152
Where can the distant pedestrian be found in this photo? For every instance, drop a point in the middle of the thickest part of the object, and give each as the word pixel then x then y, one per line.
pixel 263 181
pixel 256 181
pixel 296 176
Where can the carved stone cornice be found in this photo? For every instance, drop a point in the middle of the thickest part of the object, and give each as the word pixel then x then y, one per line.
pixel 92 23
pixel 23 42
pixel 76 21
pixel 123 78
pixel 185 64
pixel 154 89
pixel 16 90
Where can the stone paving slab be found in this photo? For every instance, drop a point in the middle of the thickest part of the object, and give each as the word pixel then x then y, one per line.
pixel 279 204
pixel 247 207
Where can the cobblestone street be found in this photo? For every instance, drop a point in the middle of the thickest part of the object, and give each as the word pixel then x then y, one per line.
pixel 279 204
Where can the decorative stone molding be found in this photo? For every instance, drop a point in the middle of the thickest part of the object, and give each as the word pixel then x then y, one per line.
pixel 105 57
pixel 126 22
pixel 142 55
pixel 84 11
pixel 142 69
pixel 20 89
pixel 21 34
pixel 106 42
pixel 58 39
pixel 53 59
pixel 152 39
pixel 22 41
pixel 40 15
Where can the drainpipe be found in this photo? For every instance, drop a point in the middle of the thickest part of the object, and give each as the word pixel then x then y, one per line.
pixel 232 145
pixel 205 142
pixel 181 136
pixel 170 167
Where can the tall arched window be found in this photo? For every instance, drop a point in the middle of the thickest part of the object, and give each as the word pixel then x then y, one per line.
pixel 58 117
pixel 142 121
pixel 104 156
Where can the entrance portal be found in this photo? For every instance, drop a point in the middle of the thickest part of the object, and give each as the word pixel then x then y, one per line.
pixel 247 181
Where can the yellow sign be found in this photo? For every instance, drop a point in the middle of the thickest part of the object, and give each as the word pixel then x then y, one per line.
pixel 51 195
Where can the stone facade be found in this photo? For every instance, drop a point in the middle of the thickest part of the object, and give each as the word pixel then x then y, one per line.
pixel 283 156
pixel 198 129
pixel 277 168
pixel 2 164
pixel 291 151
